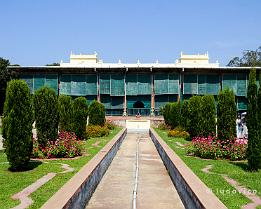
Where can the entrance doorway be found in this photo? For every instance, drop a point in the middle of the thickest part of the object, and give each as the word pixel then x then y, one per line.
pixel 138 104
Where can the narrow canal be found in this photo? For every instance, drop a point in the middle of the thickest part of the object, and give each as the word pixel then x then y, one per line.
pixel 136 178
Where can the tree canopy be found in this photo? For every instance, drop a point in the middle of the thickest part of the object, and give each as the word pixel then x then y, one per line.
pixel 250 58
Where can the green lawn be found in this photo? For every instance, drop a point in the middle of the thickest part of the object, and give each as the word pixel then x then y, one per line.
pixel 13 182
pixel 235 170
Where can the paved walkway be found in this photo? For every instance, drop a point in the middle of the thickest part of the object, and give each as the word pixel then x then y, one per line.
pixel 154 190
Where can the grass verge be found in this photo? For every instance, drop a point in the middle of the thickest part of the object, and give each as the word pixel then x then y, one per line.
pixel 13 182
pixel 235 170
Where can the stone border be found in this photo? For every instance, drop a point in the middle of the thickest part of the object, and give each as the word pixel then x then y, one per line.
pixel 78 190
pixel 193 192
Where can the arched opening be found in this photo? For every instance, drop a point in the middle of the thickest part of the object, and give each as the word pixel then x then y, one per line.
pixel 138 104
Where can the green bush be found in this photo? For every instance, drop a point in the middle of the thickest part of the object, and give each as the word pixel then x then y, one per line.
pixel 46 115
pixel 65 108
pixel 208 115
pixel 195 116
pixel 79 119
pixel 17 124
pixel 253 150
pixel 96 113
pixel 97 131
pixel 184 121
pixel 172 114
pixel 226 115
pixel 110 125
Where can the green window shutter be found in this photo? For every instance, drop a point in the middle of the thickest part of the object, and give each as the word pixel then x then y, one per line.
pixel 105 84
pixel 144 84
pixel 106 101
pixel 117 85
pixel 173 85
pixel 78 85
pixel 131 84
pixel 241 103
pixel 91 84
pixel 65 84
pixel 213 86
pixel 117 102
pixel 241 84
pixel 202 85
pixel 230 81
pixel 161 84
pixel 52 82
pixel 190 84
pixel 29 80
pixel 39 81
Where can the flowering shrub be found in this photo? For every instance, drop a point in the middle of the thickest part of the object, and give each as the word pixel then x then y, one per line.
pixel 212 148
pixel 178 132
pixel 110 125
pixel 97 131
pixel 66 146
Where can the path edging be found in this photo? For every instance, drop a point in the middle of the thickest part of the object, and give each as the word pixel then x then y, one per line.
pixel 78 190
pixel 193 192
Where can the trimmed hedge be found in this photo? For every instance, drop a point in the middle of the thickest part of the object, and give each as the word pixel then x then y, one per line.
pixel 253 149
pixel 96 113
pixel 17 124
pixel 184 121
pixel 226 115
pixel 80 113
pixel 65 108
pixel 195 116
pixel 208 115
pixel 46 115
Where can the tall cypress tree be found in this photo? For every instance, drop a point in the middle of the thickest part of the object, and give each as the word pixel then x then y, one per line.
pixel 253 149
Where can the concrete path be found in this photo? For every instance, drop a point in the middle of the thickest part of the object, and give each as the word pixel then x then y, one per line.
pixel 154 190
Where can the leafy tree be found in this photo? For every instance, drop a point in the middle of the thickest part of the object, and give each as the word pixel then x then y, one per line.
pixel 5 76
pixel 226 115
pixel 65 108
pixel 53 64
pixel 46 115
pixel 166 111
pixel 253 124
pixel 96 113
pixel 250 58
pixel 80 113
pixel 184 121
pixel 195 116
pixel 17 124
pixel 208 115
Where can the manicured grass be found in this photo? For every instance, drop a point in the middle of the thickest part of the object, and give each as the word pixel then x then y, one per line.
pixel 235 170
pixel 13 182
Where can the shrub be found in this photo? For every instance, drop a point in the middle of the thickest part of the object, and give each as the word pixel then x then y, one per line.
pixel 110 125
pixel 179 132
pixel 17 124
pixel 195 116
pixel 184 121
pixel 96 113
pixel 46 115
pixel 65 107
pixel 66 146
pixel 212 148
pixel 163 126
pixel 97 131
pixel 208 115
pixel 226 115
pixel 172 114
pixel 79 120
pixel 253 151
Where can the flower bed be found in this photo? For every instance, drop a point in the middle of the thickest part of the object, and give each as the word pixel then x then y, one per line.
pixel 66 146
pixel 212 148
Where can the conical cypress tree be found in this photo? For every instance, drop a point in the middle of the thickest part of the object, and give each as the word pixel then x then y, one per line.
pixel 253 149
pixel 46 115
pixel 65 108
pixel 17 124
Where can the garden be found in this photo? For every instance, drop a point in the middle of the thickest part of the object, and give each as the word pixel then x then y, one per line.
pixel 58 147
pixel 203 133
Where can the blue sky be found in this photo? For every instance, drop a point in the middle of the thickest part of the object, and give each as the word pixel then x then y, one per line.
pixel 37 32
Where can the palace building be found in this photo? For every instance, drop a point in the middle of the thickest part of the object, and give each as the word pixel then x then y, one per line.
pixel 129 88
